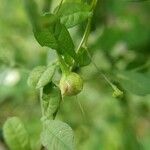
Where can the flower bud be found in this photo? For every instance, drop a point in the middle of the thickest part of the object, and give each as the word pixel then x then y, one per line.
pixel 71 84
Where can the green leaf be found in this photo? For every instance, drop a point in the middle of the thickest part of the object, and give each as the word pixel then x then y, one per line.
pixel 137 83
pixel 83 58
pixel 45 38
pixel 53 34
pixel 57 135
pixel 45 35
pixel 15 134
pixel 46 76
pixel 73 13
pixel 40 76
pixel 64 40
pixel 51 97
pixel 35 75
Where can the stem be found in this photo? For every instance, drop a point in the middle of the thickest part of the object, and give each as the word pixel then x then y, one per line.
pixel 88 28
pixel 64 68
pixel 85 35
pixel 59 6
pixel 41 102
pixel 114 87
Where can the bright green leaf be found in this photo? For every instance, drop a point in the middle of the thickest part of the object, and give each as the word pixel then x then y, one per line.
pixel 46 76
pixel 45 38
pixel 64 40
pixel 137 83
pixel 73 13
pixel 35 75
pixel 57 135
pixel 53 34
pixel 45 35
pixel 15 134
pixel 51 97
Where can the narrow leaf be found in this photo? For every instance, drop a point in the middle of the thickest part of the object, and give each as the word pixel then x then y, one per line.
pixel 15 134
pixel 57 135
pixel 45 35
pixel 64 40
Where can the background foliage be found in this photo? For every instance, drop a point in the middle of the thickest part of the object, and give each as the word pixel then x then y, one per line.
pixel 119 43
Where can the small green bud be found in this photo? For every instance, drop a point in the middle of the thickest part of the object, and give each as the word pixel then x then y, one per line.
pixel 117 93
pixel 71 84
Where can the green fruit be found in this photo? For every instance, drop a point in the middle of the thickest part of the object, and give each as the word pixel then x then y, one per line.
pixel 71 84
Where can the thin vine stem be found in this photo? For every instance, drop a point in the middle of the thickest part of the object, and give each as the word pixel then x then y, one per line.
pixel 63 66
pixel 84 43
pixel 60 4
pixel 87 29
pixel 114 87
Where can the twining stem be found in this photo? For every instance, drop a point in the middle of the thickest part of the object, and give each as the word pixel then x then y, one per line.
pixel 85 35
pixel 60 4
pixel 87 29
pixel 83 43
pixel 114 87
pixel 41 102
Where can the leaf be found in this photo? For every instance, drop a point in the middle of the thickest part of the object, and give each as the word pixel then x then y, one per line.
pixel 15 134
pixel 53 34
pixel 46 38
pixel 45 35
pixel 46 76
pixel 83 58
pixel 57 135
pixel 35 75
pixel 64 40
pixel 51 97
pixel 40 76
pixel 73 13
pixel 137 83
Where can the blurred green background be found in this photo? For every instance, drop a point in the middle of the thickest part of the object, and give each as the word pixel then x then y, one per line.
pixel 120 40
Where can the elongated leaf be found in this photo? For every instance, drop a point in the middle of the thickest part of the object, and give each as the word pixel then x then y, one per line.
pixel 57 135
pixel 35 75
pixel 64 40
pixel 15 134
pixel 45 35
pixel 46 38
pixel 135 82
pixel 46 77
pixel 73 13
pixel 51 97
